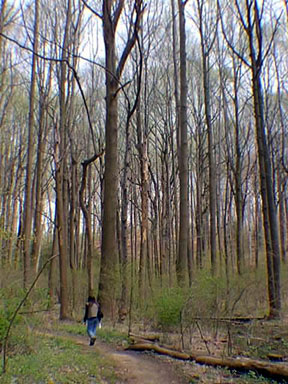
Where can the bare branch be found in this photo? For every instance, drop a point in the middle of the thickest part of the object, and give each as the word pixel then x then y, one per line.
pixel 92 9
pixel 117 13
pixel 245 26
pixel 241 57
pixel 138 9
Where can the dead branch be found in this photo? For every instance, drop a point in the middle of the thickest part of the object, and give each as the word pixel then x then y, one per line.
pixel 161 350
pixel 203 338
pixel 151 337
pixel 274 370
pixel 235 319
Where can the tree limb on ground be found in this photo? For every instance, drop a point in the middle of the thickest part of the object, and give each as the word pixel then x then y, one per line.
pixel 274 370
pixel 234 319
pixel 150 337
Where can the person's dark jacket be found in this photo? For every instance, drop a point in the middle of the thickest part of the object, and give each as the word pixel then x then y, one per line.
pixel 99 314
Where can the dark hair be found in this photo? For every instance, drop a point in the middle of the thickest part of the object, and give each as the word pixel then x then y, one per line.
pixel 91 299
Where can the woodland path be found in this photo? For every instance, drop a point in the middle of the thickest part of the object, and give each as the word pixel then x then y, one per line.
pixel 133 367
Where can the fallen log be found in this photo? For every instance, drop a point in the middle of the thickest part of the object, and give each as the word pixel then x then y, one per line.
pixel 274 370
pixel 151 337
pixel 158 349
pixel 275 357
pixel 235 319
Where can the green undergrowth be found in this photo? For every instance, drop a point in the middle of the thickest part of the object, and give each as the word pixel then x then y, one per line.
pixel 261 339
pixel 106 333
pixel 57 360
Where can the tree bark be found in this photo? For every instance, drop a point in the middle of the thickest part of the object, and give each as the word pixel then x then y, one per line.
pixel 28 208
pixel 266 180
pixel 86 209
pixel 211 156
pixel 273 370
pixel 109 271
pixel 181 267
pixel 142 149
pixel 39 193
pixel 61 169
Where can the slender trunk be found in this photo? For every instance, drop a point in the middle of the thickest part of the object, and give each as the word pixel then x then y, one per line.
pixel 39 196
pixel 164 215
pixel 266 180
pixel 86 209
pixel 282 219
pixel 257 222
pixel 211 156
pixel 52 286
pixel 29 166
pixel 61 169
pixel 181 266
pixel 177 102
pixel 199 197
pixel 225 235
pixel 142 149
pixel 282 183
pixel 124 225
pixel 238 177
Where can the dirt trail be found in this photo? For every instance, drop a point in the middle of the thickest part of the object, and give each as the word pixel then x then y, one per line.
pixel 133 367
pixel 145 369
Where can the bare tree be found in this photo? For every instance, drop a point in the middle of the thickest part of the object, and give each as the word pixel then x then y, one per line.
pixel 208 33
pixel 183 155
pixel 251 19
pixel 111 13
pixel 28 202
pixel 61 171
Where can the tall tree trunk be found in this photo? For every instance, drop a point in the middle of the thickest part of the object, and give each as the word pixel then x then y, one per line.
pixel 225 235
pixel 61 160
pixel 109 260
pixel 52 276
pixel 175 159
pixel 39 195
pixel 86 209
pixel 266 179
pixel 124 225
pixel 205 50
pixel 109 271
pixel 165 177
pixel 124 200
pixel 183 157
pixel 282 187
pixel 238 175
pixel 28 205
pixel 142 149
pixel 282 167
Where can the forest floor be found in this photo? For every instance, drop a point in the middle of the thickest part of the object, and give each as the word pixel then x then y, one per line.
pixel 60 349
pixel 132 367
pixel 149 368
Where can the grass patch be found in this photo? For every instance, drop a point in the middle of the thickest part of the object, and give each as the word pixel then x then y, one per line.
pixel 106 333
pixel 56 360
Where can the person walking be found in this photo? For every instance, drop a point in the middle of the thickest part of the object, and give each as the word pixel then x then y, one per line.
pixel 91 319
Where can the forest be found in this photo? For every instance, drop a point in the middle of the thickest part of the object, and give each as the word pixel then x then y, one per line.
pixel 144 160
